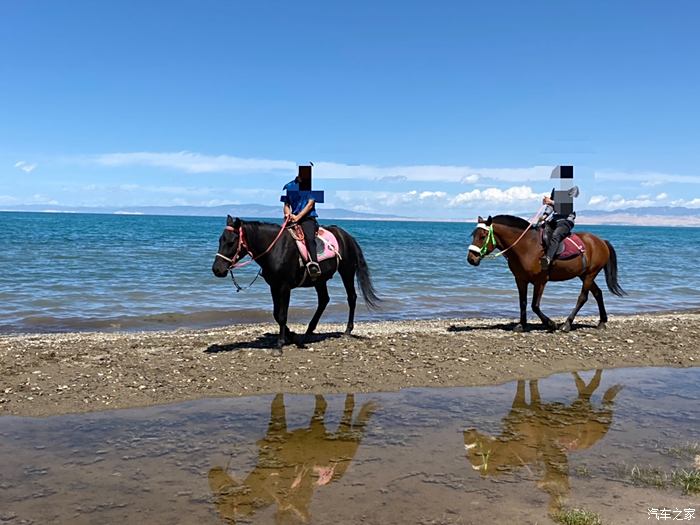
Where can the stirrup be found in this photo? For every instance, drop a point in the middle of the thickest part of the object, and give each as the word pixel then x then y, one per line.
pixel 314 269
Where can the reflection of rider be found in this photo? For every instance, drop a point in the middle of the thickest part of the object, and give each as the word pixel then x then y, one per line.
pixel 292 464
pixel 299 207
pixel 561 226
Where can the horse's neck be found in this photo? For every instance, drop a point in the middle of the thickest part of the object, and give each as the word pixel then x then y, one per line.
pixel 509 238
pixel 259 237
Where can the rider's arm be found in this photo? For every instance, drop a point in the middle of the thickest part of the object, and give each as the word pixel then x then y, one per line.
pixel 287 210
pixel 309 206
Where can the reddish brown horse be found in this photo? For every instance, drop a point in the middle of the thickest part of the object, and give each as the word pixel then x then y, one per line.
pixel 522 247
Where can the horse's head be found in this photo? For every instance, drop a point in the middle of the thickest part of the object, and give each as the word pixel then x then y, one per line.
pixel 231 249
pixel 483 241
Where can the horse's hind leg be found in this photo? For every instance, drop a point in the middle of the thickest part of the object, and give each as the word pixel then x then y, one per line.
pixel 598 294
pixel 349 283
pixel 323 300
pixel 536 298
pixel 582 298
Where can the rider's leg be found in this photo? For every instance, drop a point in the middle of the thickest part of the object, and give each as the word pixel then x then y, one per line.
pixel 560 233
pixel 308 224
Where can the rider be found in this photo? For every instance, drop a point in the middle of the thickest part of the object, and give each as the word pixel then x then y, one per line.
pixel 560 217
pixel 299 208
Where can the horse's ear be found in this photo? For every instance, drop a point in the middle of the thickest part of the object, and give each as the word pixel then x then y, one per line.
pixel 237 223
pixel 488 221
pixel 229 220
pixel 479 219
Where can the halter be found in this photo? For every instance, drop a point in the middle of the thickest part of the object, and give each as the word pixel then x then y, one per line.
pixel 242 243
pixel 491 238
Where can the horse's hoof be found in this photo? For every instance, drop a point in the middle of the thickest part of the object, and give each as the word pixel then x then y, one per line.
pixel 550 325
pixel 602 325
pixel 565 327
pixel 519 328
pixel 276 352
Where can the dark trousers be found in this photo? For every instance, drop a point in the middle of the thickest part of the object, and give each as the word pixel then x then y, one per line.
pixel 310 227
pixel 561 230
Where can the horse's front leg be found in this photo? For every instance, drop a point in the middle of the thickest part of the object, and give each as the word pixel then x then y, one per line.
pixel 536 298
pixel 280 301
pixel 522 297
pixel 323 300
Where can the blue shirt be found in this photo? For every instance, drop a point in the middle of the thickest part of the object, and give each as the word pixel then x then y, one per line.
pixel 297 199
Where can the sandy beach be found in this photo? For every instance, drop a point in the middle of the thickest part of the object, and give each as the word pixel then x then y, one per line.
pixel 50 374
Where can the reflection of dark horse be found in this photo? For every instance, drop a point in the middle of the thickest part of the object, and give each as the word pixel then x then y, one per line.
pixel 523 250
pixel 543 435
pixel 292 464
pixel 279 261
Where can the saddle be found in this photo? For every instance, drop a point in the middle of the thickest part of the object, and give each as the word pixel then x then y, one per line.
pixel 572 246
pixel 326 244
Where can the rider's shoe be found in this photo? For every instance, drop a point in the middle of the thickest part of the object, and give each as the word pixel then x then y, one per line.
pixel 314 269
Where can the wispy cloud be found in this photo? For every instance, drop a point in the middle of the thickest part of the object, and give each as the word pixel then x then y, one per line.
pixel 25 166
pixel 646 178
pixel 189 162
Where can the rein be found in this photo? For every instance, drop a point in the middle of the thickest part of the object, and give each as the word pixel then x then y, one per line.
pixel 492 238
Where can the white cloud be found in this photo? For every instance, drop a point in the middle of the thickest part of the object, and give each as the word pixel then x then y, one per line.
pixel 616 202
pixel 25 166
pixel 662 196
pixel 514 195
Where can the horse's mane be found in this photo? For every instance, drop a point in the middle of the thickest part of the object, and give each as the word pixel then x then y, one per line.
pixel 511 220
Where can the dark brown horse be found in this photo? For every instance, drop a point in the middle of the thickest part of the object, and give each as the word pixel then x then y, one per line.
pixel 522 248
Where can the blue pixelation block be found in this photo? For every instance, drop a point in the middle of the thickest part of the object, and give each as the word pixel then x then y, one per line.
pixel 315 195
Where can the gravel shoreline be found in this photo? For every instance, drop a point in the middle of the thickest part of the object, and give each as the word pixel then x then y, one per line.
pixel 51 374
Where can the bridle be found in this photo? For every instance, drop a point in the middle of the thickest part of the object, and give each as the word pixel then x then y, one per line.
pixel 482 250
pixel 242 243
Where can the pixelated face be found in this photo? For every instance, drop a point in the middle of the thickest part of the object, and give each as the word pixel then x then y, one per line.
pixel 229 249
pixel 479 238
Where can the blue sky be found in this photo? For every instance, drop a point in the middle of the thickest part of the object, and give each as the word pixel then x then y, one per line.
pixel 441 109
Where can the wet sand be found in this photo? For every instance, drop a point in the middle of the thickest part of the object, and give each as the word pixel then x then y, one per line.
pixel 50 374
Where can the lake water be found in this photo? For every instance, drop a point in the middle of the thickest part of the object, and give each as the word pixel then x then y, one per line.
pixel 65 272
pixel 607 442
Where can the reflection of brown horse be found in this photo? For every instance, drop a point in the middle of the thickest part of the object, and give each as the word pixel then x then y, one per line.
pixel 291 464
pixel 542 435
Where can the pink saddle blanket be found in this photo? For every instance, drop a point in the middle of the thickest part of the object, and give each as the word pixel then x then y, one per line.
pixel 573 247
pixel 326 245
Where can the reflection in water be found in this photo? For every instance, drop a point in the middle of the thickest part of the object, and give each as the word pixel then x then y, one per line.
pixel 542 435
pixel 292 464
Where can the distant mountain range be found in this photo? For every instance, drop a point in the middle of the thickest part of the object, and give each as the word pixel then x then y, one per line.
pixel 237 210
pixel 656 215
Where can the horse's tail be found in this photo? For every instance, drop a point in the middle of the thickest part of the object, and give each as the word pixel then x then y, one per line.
pixel 611 273
pixel 363 277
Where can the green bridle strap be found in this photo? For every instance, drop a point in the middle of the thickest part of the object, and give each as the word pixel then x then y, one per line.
pixel 490 238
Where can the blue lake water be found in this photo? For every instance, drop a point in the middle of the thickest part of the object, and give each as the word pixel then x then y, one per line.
pixel 63 272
